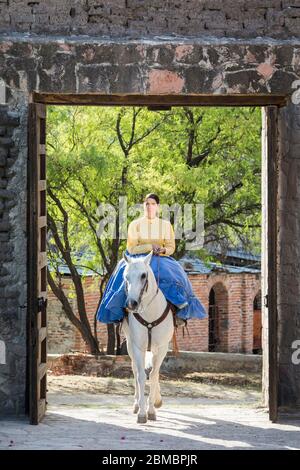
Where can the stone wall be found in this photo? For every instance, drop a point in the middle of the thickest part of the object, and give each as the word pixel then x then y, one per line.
pixel 136 18
pixel 172 366
pixel 12 267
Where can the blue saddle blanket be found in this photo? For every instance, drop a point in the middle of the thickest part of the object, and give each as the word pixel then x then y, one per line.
pixel 173 282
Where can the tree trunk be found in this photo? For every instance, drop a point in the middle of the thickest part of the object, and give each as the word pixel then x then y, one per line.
pixel 118 338
pixel 111 338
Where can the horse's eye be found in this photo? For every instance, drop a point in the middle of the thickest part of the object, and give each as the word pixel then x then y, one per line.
pixel 143 276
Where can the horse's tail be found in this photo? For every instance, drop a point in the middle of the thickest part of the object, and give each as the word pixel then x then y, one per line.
pixel 148 362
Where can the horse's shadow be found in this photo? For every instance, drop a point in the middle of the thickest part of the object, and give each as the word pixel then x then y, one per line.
pixel 174 430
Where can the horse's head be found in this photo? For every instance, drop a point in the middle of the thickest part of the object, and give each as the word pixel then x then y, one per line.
pixel 136 275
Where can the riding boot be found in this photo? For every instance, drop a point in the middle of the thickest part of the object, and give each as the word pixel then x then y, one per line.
pixel 180 321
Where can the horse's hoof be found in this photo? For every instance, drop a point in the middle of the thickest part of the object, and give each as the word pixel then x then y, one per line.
pixel 158 403
pixel 152 416
pixel 142 419
pixel 135 409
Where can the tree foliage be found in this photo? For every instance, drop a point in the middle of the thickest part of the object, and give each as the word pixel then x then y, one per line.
pixel 186 155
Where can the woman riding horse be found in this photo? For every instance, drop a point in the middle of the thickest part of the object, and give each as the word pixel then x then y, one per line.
pixel 146 234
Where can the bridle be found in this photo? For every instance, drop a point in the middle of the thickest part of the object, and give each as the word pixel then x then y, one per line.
pixel 145 287
pixel 140 319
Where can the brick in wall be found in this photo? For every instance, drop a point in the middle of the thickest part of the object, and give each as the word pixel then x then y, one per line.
pixel 136 18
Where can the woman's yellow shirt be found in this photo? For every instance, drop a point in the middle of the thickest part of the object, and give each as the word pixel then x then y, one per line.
pixel 143 232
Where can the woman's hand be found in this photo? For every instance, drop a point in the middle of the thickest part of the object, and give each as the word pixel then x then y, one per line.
pixel 157 249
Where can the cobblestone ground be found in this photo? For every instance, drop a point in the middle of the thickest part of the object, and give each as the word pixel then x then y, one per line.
pixel 194 416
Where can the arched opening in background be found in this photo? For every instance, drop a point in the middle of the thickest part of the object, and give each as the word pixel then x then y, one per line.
pixel 218 319
pixel 257 324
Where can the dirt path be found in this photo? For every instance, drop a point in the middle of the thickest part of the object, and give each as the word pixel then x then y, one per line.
pixel 96 413
pixel 81 385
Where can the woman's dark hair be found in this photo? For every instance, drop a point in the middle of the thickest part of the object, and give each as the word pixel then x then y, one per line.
pixel 153 196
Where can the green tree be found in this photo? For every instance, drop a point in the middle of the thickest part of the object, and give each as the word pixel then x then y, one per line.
pixel 186 155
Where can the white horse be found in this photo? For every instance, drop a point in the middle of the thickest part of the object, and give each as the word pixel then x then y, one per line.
pixel 148 311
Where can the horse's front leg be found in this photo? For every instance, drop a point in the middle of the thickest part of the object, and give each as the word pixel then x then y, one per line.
pixel 139 361
pixel 154 400
pixel 136 391
pixel 134 370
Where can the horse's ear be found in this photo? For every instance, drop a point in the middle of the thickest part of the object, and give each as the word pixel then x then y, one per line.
pixel 127 258
pixel 147 258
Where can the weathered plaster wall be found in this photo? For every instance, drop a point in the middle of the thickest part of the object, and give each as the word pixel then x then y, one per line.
pixel 154 67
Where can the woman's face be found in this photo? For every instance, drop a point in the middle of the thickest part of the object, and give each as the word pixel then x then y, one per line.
pixel 150 207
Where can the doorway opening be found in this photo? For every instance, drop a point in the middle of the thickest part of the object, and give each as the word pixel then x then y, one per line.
pixel 37 224
pixel 218 319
